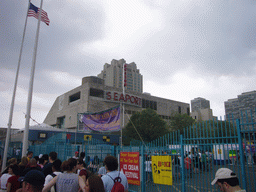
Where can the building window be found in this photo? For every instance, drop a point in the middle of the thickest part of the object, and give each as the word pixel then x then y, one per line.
pixel 96 92
pixel 60 122
pixel 188 111
pixel 149 104
pixel 74 97
pixel 155 105
pixel 179 109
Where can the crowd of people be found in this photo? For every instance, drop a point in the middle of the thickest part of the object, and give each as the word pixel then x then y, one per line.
pixel 47 173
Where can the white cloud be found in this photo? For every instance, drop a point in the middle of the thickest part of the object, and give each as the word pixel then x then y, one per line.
pixel 63 78
pixel 128 24
pixel 187 84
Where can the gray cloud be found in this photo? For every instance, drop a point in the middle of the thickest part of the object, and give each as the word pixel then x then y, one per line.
pixel 217 37
pixel 212 41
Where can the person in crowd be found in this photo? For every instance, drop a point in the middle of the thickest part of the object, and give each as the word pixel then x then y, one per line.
pixel 94 164
pixel 188 167
pixel 12 183
pixel 76 155
pixel 48 167
pixel 148 169
pixel 37 159
pixel 23 164
pixel 87 160
pixel 30 155
pixel 3 180
pixel 41 163
pixel 82 156
pixel 111 165
pixel 32 166
pixel 102 171
pixel 196 163
pixel 68 181
pixel 203 161
pixel 176 166
pixel 227 181
pixel 94 184
pixel 56 170
pixel 82 169
pixel 1 162
pixel 32 182
pixel 12 161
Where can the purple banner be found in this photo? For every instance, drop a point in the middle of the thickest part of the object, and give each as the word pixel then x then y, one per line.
pixel 103 121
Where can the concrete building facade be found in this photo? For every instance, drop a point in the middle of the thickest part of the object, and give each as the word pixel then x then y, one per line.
pixel 237 106
pixel 112 74
pixel 201 110
pixel 94 96
pixel 199 103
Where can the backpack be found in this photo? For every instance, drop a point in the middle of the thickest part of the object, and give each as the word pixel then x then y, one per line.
pixel 118 186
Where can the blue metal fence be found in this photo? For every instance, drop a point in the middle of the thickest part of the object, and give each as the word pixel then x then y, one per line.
pixel 196 151
pixel 209 146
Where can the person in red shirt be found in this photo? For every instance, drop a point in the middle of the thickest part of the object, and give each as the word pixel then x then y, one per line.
pixel 82 169
pixel 12 183
pixel 187 162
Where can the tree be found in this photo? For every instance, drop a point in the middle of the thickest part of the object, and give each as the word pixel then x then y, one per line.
pixel 180 121
pixel 148 124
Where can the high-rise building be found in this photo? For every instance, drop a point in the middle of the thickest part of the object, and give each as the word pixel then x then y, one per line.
pixel 112 74
pixel 234 108
pixel 201 110
pixel 199 103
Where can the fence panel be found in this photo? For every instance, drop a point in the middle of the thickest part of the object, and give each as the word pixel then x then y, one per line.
pixel 197 152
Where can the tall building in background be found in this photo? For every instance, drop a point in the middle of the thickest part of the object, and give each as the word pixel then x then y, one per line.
pixel 234 108
pixel 201 110
pixel 112 74
pixel 199 103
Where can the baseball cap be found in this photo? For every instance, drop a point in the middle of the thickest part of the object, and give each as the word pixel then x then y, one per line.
pixel 76 152
pixel 223 173
pixel 34 177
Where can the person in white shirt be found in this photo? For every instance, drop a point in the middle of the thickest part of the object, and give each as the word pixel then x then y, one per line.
pixel 76 155
pixel 3 180
pixel 227 181
pixel 56 169
pixel 102 171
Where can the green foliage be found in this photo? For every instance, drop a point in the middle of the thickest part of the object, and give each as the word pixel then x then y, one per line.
pixel 147 123
pixel 180 121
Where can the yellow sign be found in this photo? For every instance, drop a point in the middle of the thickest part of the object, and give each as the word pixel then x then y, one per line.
pixel 87 137
pixel 162 169
pixel 106 138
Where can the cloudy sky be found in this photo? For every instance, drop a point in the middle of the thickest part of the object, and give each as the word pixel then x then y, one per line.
pixel 183 48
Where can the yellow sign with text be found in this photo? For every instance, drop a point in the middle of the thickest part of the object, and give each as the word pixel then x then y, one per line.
pixel 162 169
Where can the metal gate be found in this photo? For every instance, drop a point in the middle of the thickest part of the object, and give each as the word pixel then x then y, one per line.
pixel 198 151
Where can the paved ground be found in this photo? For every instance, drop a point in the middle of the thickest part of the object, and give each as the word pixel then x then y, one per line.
pixel 201 182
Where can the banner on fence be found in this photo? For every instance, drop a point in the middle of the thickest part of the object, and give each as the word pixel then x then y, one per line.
pixel 103 121
pixel 130 165
pixel 162 169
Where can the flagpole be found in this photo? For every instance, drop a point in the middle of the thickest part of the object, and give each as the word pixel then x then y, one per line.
pixel 123 106
pixel 25 137
pixel 8 134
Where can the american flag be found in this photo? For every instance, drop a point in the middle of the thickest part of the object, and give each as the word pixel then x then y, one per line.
pixel 34 12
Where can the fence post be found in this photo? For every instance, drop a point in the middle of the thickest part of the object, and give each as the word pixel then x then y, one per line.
pixel 182 164
pixel 241 154
pixel 142 168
